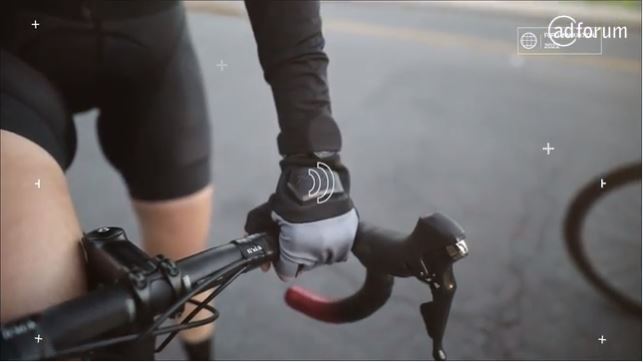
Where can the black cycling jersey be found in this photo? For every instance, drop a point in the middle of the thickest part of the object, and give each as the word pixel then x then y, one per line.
pixel 291 52
pixel 134 62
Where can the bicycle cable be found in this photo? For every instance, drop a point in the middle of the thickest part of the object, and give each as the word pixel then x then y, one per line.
pixel 208 282
pixel 205 285
pixel 130 337
pixel 202 305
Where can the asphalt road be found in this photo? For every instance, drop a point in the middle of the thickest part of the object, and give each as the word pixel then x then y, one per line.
pixel 438 113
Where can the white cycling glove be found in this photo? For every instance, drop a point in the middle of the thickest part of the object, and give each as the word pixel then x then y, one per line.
pixel 303 246
pixel 316 218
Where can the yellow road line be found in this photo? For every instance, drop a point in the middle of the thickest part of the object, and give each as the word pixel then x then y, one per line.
pixel 426 37
pixel 441 39
pixel 227 8
pixel 437 39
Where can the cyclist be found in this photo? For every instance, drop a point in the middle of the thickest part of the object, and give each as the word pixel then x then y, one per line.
pixel 134 62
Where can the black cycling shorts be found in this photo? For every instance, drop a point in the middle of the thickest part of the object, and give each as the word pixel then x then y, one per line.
pixel 140 71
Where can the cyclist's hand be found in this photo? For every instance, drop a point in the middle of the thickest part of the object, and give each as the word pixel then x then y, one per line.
pixel 316 218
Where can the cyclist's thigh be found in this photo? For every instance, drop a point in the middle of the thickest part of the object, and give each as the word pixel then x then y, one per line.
pixel 154 127
pixel 41 261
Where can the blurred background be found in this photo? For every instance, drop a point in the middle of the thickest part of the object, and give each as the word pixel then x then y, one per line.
pixel 438 113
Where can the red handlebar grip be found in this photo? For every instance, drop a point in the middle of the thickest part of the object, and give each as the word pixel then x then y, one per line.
pixel 373 294
pixel 312 305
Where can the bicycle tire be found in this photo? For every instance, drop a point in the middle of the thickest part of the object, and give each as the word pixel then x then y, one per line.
pixel 574 221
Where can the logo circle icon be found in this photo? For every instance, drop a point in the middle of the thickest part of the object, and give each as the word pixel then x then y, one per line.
pixel 572 23
pixel 528 40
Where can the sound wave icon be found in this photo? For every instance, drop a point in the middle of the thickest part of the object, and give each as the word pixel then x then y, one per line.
pixel 328 181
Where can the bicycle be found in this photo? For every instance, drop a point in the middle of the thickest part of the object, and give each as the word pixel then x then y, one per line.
pixel 579 209
pixel 133 294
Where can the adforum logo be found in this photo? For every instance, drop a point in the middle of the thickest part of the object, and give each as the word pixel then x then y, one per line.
pixel 564 30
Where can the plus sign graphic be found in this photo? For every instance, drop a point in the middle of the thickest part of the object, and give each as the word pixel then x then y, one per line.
pixel 35 24
pixel 602 339
pixel 38 338
pixel 37 183
pixel 548 149
pixel 603 183
pixel 221 65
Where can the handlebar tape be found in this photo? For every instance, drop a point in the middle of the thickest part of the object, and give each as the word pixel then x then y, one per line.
pixel 373 294
pixel 385 254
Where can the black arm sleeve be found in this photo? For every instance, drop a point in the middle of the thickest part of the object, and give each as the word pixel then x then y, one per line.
pixel 291 52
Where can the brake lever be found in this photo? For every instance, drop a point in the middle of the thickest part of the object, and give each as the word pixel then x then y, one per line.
pixel 427 254
pixel 436 312
pixel 442 283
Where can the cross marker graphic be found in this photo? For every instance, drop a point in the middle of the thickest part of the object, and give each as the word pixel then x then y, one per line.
pixel 221 65
pixel 548 149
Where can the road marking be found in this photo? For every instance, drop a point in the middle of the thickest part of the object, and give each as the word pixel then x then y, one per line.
pixel 436 38
pixel 422 36
pixel 432 38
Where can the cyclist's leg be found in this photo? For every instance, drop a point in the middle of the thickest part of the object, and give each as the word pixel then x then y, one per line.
pixel 41 261
pixel 177 228
pixel 154 129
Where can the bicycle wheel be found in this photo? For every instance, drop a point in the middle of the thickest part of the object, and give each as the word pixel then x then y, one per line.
pixel 610 262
